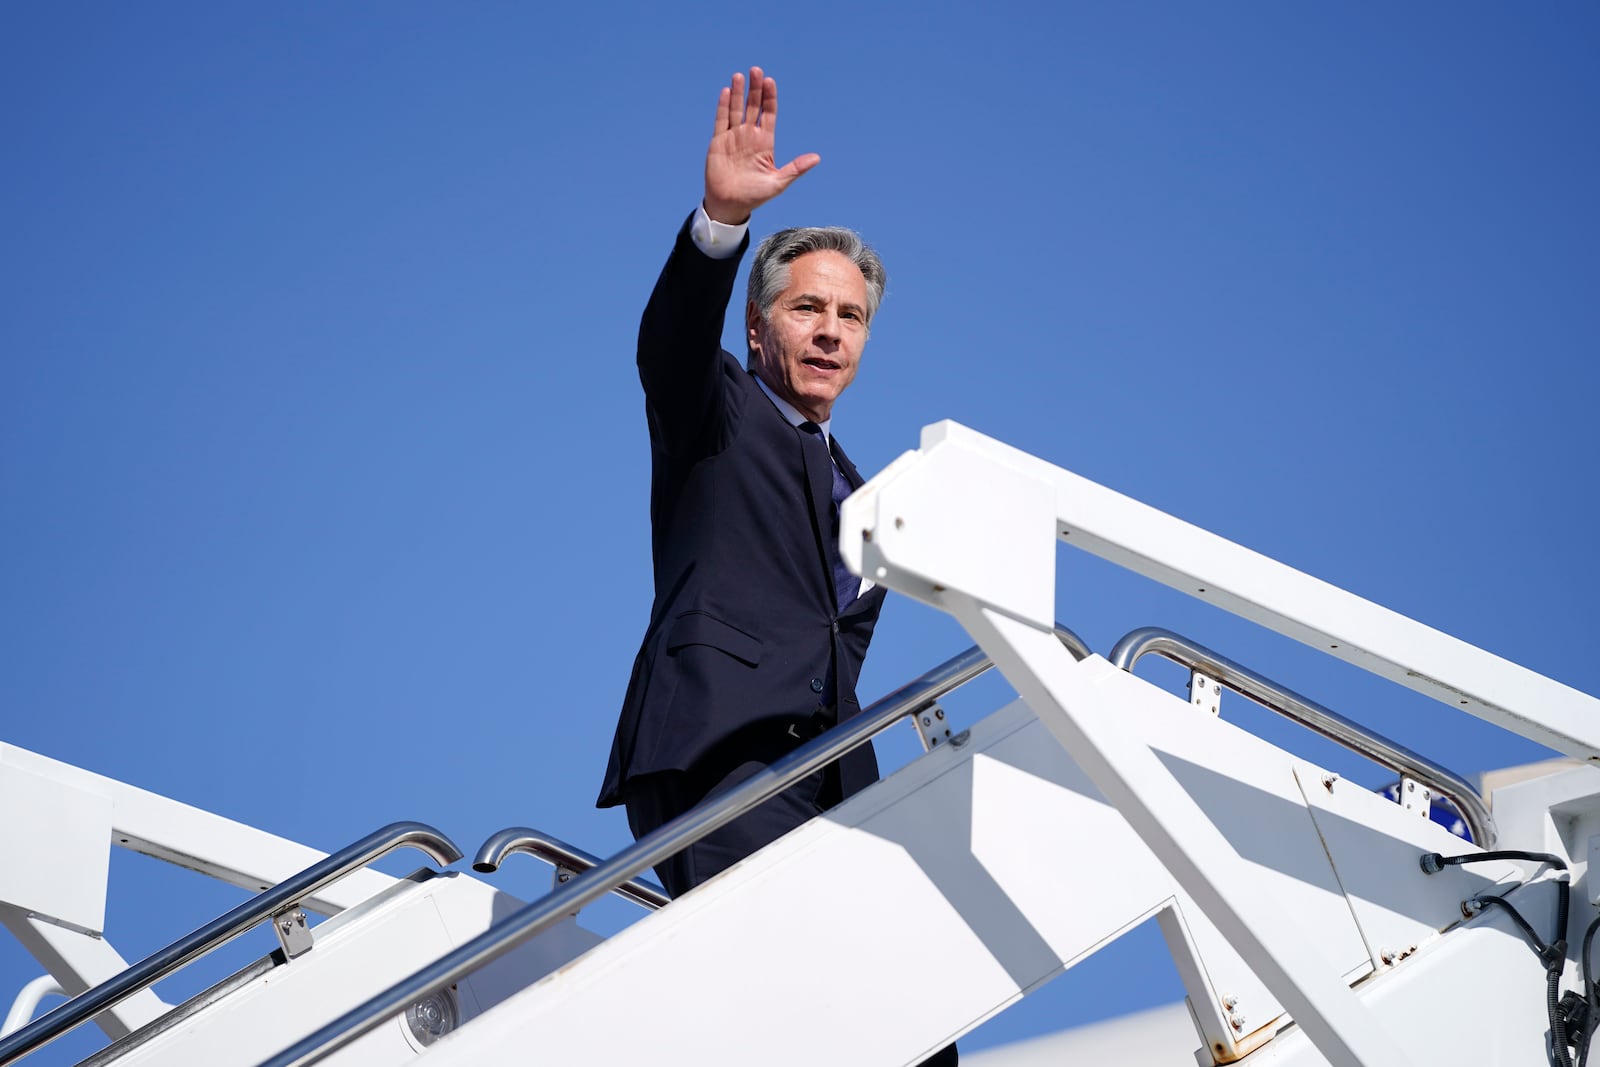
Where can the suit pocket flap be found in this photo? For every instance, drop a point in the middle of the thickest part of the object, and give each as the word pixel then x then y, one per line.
pixel 698 628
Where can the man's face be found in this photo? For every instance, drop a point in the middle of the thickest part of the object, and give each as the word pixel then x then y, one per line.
pixel 808 347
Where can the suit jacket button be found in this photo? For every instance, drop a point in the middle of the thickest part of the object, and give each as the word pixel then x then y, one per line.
pixel 816 685
pixel 836 627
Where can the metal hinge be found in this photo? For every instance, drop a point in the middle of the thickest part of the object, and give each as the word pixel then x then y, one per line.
pixel 294 935
pixel 932 726
pixel 1205 692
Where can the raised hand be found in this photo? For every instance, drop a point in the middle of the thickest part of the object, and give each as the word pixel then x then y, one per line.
pixel 741 173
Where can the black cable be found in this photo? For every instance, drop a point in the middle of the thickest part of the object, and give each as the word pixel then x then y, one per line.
pixel 1552 955
pixel 1433 862
pixel 1591 994
pixel 1539 947
pixel 1558 1020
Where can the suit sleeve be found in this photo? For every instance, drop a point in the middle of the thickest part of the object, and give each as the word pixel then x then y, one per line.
pixel 680 345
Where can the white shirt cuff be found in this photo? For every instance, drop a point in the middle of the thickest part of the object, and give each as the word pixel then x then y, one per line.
pixel 716 239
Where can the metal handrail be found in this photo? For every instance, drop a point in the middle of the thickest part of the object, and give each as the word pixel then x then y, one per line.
pixel 1307 712
pixel 190 947
pixel 663 842
pixel 556 852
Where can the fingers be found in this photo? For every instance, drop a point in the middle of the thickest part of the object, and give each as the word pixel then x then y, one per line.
pixel 758 86
pixel 769 103
pixel 728 103
pixel 757 108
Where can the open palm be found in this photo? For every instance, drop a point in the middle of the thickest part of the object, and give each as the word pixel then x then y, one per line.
pixel 741 171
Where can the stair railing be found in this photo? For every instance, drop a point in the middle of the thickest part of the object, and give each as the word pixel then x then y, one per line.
pixel 568 860
pixel 649 850
pixel 1308 713
pixel 280 904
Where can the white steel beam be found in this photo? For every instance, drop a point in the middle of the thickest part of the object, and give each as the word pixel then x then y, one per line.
pixel 78 961
pixel 1083 715
pixel 904 516
pixel 1211 568
pixel 166 829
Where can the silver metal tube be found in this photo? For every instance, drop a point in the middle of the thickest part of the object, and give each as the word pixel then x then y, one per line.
pixel 667 840
pixel 1307 712
pixel 513 839
pixel 1076 645
pixel 152 969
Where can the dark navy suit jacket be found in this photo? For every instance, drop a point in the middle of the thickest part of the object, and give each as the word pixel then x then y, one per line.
pixel 744 633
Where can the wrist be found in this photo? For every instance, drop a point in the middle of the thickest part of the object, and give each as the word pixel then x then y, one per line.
pixel 729 214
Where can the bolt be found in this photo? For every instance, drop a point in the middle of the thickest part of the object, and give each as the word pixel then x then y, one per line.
pixel 927 721
pixel 1230 1002
pixel 1411 787
pixel 960 739
pixel 1328 780
pixel 938 713
pixel 1237 1021
pixel 287 925
pixel 1387 955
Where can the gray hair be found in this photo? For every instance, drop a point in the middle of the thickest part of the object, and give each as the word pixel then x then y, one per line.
pixel 769 274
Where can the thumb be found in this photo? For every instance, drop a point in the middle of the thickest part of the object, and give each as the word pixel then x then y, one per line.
pixel 798 166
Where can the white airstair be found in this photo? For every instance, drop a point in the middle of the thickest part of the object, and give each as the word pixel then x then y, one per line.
pixel 1311 920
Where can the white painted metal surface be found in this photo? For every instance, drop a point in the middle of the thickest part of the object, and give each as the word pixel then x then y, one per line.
pixel 1150 542
pixel 965 876
pixel 357 954
pixel 166 829
pixel 890 530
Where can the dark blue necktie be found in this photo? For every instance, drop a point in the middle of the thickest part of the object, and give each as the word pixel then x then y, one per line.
pixel 845 584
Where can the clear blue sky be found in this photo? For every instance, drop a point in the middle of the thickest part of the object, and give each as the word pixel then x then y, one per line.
pixel 323 466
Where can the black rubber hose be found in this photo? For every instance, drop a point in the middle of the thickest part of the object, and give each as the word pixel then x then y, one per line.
pixel 1526 927
pixel 1558 1021
pixel 1553 955
pixel 1591 993
pixel 1432 862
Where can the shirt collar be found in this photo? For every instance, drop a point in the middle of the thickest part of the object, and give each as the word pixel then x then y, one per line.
pixel 788 410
